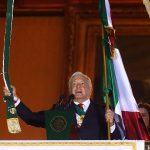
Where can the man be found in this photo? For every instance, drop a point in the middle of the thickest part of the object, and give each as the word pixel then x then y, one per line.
pixel 89 121
pixel 144 109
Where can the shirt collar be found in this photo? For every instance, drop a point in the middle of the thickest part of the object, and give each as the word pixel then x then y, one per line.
pixel 86 104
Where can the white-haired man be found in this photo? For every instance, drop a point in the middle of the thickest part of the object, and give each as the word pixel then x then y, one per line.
pixel 90 122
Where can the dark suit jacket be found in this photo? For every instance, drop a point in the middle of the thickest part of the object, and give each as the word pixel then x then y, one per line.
pixel 94 126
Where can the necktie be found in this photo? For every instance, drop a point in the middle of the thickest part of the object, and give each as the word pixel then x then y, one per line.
pixel 81 106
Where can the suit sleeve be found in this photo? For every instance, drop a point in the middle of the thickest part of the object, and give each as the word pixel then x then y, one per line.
pixel 116 134
pixel 36 119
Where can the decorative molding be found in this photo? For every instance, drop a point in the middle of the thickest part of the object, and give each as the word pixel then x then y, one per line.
pixel 126 8
pixel 38 7
pixel 84 28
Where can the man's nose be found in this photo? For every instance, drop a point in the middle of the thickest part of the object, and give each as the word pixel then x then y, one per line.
pixel 78 85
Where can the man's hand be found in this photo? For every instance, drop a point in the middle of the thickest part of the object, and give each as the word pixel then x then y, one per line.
pixel 7 93
pixel 110 116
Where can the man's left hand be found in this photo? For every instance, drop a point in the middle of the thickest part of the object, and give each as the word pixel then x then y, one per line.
pixel 110 116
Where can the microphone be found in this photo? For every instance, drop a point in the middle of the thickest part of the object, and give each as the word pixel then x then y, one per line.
pixel 61 99
pixel 59 103
pixel 70 99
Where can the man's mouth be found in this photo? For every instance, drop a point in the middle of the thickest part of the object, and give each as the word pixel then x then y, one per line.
pixel 78 92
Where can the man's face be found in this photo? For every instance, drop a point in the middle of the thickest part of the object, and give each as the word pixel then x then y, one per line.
pixel 145 116
pixel 80 89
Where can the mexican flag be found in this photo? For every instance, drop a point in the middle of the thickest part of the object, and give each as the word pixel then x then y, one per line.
pixel 121 99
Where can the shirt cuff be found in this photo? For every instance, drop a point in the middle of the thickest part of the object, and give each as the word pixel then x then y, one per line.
pixel 112 128
pixel 16 101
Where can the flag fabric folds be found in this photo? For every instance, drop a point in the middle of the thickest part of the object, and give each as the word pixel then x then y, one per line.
pixel 121 99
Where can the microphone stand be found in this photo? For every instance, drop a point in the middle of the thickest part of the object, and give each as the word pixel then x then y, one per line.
pixel 70 99
pixel 60 102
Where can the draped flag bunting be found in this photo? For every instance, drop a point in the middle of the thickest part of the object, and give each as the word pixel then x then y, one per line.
pixel 12 120
pixel 118 89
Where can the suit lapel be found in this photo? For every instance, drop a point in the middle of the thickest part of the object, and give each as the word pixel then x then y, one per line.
pixel 89 113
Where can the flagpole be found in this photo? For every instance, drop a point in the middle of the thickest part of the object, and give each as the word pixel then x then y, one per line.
pixel 105 82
